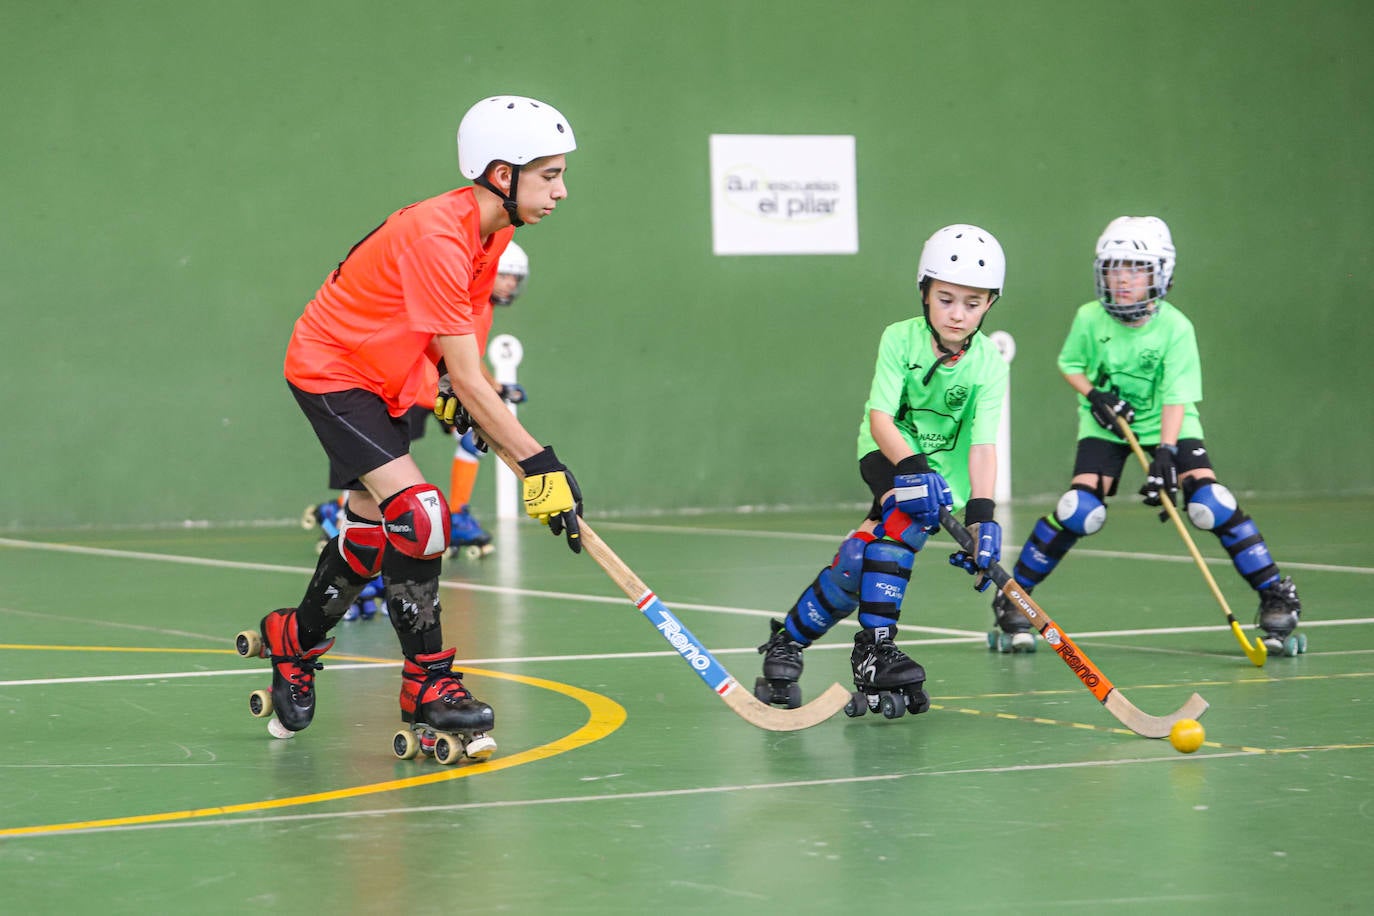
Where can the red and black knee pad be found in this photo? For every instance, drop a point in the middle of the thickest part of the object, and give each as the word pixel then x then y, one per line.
pixel 362 543
pixel 416 521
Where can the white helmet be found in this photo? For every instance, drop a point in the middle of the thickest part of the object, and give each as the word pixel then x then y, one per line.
pixel 510 128
pixel 965 255
pixel 1140 242
pixel 515 263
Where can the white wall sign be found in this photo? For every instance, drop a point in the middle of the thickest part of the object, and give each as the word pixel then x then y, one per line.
pixel 778 194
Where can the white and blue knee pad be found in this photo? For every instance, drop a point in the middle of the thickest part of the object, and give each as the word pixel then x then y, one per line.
pixel 1081 512
pixel 1211 506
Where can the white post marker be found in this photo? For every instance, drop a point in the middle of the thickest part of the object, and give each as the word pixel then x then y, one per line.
pixel 505 352
pixel 1006 344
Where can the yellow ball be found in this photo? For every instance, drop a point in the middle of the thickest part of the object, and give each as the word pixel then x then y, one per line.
pixel 1187 735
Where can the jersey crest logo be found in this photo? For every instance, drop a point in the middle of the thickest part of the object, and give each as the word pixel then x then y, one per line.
pixel 1149 359
pixel 956 396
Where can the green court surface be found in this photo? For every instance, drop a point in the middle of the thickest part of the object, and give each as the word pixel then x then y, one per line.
pixel 136 781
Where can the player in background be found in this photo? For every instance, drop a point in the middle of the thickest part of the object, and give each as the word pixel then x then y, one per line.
pixel 927 440
pixel 409 296
pixel 1132 354
pixel 465 532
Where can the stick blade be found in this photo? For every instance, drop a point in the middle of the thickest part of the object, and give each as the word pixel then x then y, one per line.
pixel 771 718
pixel 1146 725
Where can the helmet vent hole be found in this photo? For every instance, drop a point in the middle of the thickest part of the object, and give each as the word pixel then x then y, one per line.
pixel 954 257
pixel 982 263
pixel 560 128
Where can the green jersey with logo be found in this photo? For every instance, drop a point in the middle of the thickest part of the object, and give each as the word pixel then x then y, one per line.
pixel 961 407
pixel 1149 366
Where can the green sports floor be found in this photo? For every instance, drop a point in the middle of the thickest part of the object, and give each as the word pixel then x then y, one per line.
pixel 135 780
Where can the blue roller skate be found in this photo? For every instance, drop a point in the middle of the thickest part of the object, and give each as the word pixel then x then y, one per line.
pixel 466 536
pixel 368 603
pixel 324 516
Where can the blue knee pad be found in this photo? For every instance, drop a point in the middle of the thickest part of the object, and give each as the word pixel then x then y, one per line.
pixel 887 570
pixel 1212 507
pixel 832 596
pixel 1081 512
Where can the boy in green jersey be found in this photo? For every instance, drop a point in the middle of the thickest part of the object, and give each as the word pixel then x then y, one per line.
pixel 1133 355
pixel 927 441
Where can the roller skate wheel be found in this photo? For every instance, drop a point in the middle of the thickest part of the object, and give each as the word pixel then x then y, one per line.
pixel 249 644
pixel 1294 645
pixel 762 691
pixel 1273 644
pixel 260 703
pixel 352 614
pixel 1023 642
pixel 856 706
pixel 309 520
pixel 404 744
pixel 480 747
pixel 917 702
pixel 890 708
pixel 277 730
pixel 447 748
pixel 994 636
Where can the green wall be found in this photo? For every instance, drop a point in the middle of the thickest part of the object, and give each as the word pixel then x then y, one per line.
pixel 178 178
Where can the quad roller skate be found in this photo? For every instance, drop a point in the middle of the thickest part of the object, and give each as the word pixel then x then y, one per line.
pixel 782 667
pixel 466 536
pixel 1278 615
pixel 324 516
pixel 445 719
pixel 291 701
pixel 887 679
pixel 368 603
pixel 1013 632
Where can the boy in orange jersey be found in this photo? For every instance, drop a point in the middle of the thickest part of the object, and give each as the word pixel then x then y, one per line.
pixel 411 296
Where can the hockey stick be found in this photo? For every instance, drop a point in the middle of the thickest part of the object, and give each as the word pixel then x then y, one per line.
pixel 1256 653
pixel 1092 677
pixel 745 704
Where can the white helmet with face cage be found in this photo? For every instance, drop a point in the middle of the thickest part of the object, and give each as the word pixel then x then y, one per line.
pixel 965 255
pixel 515 263
pixel 1134 243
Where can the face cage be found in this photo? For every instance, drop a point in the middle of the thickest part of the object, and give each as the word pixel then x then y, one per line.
pixel 515 294
pixel 1131 311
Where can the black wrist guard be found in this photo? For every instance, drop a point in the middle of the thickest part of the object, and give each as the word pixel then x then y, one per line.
pixel 913 464
pixel 978 510
pixel 542 463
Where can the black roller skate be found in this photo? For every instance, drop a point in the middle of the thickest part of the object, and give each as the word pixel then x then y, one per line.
pixel 1013 632
pixel 445 719
pixel 782 668
pixel 467 536
pixel 886 678
pixel 291 701
pixel 1278 615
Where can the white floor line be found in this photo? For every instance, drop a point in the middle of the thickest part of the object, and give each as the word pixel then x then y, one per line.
pixel 620 798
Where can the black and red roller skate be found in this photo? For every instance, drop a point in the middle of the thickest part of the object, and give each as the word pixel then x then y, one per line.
pixel 782 668
pixel 291 701
pixel 886 679
pixel 445 719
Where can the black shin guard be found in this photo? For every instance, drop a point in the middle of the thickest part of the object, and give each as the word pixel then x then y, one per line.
pixel 332 589
pixel 412 602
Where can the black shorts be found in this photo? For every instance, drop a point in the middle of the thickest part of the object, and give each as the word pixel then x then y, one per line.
pixel 356 431
pixel 877 472
pixel 1107 458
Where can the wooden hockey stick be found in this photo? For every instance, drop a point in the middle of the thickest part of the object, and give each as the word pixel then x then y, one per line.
pixel 693 652
pixel 1256 653
pixel 1092 677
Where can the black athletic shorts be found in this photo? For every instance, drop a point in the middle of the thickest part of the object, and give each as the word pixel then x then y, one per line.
pixel 356 431
pixel 877 472
pixel 1107 458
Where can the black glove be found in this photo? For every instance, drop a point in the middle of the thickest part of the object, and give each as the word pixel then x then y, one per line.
pixel 552 495
pixel 448 410
pixel 1107 406
pixel 1162 478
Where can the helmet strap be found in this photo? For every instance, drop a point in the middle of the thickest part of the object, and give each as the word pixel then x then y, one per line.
pixel 507 200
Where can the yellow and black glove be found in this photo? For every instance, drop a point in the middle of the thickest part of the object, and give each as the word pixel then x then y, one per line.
pixel 552 496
